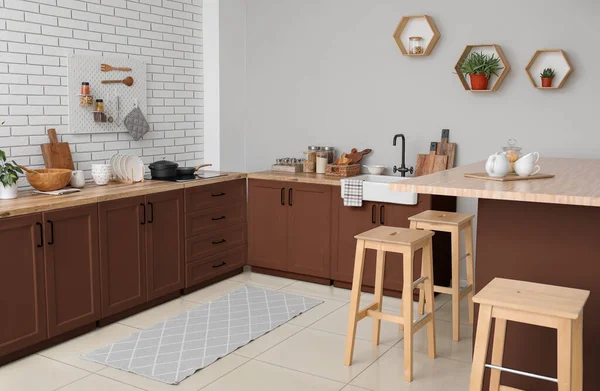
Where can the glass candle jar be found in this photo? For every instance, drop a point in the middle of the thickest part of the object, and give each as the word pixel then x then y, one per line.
pixel 512 152
pixel 99 105
pixel 85 88
pixel 415 45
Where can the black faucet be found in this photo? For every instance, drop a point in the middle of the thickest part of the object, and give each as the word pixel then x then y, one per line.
pixel 403 169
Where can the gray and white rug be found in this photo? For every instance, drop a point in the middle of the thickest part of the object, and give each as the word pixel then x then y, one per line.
pixel 174 349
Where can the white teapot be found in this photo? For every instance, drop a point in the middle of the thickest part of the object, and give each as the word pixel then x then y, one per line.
pixel 497 165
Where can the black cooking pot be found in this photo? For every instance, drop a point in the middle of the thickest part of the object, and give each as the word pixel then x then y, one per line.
pixel 163 169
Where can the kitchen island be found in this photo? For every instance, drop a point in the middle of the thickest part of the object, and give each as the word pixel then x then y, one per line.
pixel 545 231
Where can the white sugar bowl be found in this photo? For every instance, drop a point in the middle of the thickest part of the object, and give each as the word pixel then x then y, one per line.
pixel 101 173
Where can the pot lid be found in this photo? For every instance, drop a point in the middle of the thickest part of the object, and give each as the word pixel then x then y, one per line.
pixel 162 165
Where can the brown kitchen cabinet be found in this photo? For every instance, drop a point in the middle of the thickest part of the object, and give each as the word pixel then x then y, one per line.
pixel 289 227
pixel 72 273
pixel 22 286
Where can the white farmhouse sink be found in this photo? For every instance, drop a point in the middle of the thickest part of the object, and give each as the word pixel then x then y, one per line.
pixel 377 188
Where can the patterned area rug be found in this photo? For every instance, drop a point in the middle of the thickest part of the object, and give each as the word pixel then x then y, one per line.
pixel 174 349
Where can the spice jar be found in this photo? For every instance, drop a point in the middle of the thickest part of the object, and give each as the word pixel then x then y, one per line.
pixel 512 152
pixel 85 88
pixel 415 45
pixel 311 154
pixel 330 154
pixel 322 161
pixel 99 105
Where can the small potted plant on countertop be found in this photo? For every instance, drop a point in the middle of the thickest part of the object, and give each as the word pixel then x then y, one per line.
pixel 480 67
pixel 547 77
pixel 8 177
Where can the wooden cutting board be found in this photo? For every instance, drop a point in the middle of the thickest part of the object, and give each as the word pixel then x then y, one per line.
pixel 57 155
pixel 446 148
pixel 430 163
pixel 508 178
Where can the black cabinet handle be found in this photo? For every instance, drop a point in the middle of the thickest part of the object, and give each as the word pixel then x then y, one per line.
pixel 51 232
pixel 218 218
pixel 219 265
pixel 144 213
pixel 151 212
pixel 373 217
pixel 41 234
pixel 218 195
pixel 283 196
pixel 381 210
pixel 219 241
pixel 290 191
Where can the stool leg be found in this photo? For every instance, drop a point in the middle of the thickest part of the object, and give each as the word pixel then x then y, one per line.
pixel 455 284
pixel 413 225
pixel 359 263
pixel 481 346
pixel 470 267
pixel 428 271
pixel 565 353
pixel 578 354
pixel 379 272
pixel 407 313
pixel 498 352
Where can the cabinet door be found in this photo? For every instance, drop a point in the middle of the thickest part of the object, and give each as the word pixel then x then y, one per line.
pixel 72 269
pixel 164 243
pixel 122 254
pixel 22 307
pixel 267 224
pixel 309 230
pixel 347 222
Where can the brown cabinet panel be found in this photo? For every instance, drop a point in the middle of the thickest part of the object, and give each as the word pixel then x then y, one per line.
pixel 22 288
pixel 200 271
pixel 72 268
pixel 198 223
pixel 267 224
pixel 309 229
pixel 122 254
pixel 164 243
pixel 214 242
pixel 208 196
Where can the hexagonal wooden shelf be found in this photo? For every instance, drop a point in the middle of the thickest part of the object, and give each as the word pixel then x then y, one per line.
pixel 487 49
pixel 417 25
pixel 549 58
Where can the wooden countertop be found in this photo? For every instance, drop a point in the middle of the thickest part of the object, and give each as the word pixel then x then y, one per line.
pixel 577 182
pixel 301 177
pixel 29 202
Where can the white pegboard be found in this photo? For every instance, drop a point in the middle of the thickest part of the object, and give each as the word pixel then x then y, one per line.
pixel 87 68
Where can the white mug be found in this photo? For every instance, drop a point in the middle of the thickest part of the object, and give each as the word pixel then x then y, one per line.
pixel 77 179
pixel 526 165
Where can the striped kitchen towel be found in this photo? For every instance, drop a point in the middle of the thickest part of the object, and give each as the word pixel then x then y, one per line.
pixel 352 192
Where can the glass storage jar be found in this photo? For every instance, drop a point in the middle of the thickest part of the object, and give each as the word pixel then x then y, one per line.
pixel 512 152
pixel 322 161
pixel 99 105
pixel 415 45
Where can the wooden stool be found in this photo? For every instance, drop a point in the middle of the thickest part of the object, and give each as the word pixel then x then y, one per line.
pixel 454 223
pixel 406 242
pixel 542 305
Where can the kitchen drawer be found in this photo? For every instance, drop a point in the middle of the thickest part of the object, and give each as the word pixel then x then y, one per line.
pixel 210 196
pixel 213 219
pixel 214 242
pixel 199 271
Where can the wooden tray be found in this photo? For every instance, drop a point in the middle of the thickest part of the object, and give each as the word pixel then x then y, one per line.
pixel 287 167
pixel 508 178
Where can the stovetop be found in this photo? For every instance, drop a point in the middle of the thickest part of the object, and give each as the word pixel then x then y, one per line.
pixel 197 177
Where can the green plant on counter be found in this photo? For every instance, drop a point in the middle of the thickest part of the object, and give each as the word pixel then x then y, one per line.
pixel 481 64
pixel 548 73
pixel 8 171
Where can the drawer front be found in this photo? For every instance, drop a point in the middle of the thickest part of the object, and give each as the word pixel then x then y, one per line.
pixel 217 265
pixel 214 219
pixel 214 242
pixel 219 194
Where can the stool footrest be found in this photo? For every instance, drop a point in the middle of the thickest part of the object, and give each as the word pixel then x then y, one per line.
pixel 521 373
pixel 364 312
pixel 464 290
pixel 418 323
pixel 420 281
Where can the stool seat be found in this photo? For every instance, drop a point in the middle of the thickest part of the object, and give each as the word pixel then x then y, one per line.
pixel 440 217
pixel 392 235
pixel 533 298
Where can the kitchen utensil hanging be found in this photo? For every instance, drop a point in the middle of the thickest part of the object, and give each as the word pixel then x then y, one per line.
pixel 128 81
pixel 136 123
pixel 108 68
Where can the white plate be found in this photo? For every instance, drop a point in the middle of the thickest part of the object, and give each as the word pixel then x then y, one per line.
pixel 132 165
pixel 112 163
pixel 117 166
pixel 123 168
pixel 141 169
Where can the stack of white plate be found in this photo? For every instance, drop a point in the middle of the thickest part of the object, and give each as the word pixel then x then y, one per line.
pixel 127 167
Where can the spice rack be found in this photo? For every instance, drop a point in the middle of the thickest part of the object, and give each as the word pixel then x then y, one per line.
pixel 420 27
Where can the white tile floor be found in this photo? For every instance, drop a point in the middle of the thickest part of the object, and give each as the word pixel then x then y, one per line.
pixel 305 353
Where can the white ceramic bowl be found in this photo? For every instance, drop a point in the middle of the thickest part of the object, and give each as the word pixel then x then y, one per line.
pixel 375 169
pixel 101 173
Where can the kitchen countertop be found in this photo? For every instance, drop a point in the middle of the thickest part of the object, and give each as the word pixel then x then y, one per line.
pixel 577 182
pixel 301 177
pixel 29 202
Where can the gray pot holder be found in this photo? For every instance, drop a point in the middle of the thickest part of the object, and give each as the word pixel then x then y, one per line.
pixel 136 124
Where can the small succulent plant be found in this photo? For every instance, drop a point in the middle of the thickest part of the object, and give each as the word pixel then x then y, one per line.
pixel 480 63
pixel 548 73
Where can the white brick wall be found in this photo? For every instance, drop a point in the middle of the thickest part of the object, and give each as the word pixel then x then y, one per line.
pixel 37 35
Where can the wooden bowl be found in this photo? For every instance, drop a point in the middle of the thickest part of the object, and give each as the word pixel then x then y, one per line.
pixel 49 179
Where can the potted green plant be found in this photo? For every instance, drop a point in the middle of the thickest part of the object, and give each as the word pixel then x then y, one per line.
pixel 8 177
pixel 547 77
pixel 480 67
